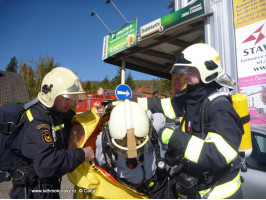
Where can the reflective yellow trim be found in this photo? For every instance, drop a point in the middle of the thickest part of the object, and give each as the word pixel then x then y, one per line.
pixel 29 115
pixel 115 103
pixel 168 108
pixel 194 148
pixel 223 191
pixel 166 135
pixel 183 128
pixel 59 127
pixel 143 102
pixel 151 184
pixel 223 147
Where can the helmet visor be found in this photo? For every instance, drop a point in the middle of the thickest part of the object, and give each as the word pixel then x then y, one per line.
pixel 142 143
pixel 178 69
pixel 75 92
pixel 181 64
pixel 120 146
pixel 77 97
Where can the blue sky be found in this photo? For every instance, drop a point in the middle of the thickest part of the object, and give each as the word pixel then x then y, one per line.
pixel 65 30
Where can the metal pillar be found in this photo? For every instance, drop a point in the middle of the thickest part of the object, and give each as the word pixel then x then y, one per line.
pixel 123 71
pixel 220 34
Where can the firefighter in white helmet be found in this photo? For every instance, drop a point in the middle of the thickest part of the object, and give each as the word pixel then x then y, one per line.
pixel 127 147
pixel 40 143
pixel 205 146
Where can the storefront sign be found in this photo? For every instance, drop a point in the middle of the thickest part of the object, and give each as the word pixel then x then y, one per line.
pixel 250 24
pixel 121 39
pixel 172 19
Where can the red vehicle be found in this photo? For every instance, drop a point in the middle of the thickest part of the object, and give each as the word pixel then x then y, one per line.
pixel 97 100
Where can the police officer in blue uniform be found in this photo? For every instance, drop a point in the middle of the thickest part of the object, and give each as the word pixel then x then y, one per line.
pixel 41 139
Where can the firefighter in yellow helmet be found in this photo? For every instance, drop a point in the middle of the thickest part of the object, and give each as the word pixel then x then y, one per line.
pixel 205 144
pixel 40 143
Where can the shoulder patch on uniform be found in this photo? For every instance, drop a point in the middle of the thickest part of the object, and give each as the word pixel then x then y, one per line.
pixel 47 138
pixel 40 126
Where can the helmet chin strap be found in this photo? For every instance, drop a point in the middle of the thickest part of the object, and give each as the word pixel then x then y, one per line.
pixel 131 140
pixel 131 144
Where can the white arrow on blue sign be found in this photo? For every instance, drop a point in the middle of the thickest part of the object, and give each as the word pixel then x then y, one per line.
pixel 123 91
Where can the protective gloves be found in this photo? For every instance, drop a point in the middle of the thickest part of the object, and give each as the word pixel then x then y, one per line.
pixel 172 141
pixel 164 135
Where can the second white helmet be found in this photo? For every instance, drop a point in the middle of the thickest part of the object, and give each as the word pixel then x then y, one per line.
pixel 129 116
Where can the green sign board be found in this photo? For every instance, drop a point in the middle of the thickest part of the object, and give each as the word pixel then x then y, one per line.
pixel 121 39
pixel 173 19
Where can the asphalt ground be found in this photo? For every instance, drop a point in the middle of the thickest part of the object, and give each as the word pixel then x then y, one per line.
pixel 66 187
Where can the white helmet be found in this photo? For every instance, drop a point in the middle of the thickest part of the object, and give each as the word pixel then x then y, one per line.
pixel 129 129
pixel 206 60
pixel 60 81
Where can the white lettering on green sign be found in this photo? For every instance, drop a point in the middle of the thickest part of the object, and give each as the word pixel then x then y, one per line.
pixel 195 8
pixel 150 27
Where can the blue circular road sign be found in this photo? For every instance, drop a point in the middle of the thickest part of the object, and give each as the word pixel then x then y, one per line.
pixel 123 91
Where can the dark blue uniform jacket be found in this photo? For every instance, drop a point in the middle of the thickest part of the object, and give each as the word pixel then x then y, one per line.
pixel 47 154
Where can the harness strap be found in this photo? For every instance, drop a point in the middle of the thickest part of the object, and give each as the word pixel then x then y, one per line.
pixel 6 127
pixel 245 119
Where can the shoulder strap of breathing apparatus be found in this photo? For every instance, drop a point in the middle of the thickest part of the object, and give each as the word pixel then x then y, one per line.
pixel 215 97
pixel 43 109
pixel 160 162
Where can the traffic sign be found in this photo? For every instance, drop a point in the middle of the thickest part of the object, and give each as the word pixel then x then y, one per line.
pixel 123 91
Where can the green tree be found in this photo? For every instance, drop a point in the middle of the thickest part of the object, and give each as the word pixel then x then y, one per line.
pixel 130 82
pixel 13 65
pixel 166 87
pixel 116 80
pixel 155 92
pixel 105 83
pixel 44 65
pixel 86 85
pixel 28 75
pixel 171 5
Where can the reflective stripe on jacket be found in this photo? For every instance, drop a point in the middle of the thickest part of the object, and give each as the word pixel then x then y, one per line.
pixel 224 190
pixel 157 105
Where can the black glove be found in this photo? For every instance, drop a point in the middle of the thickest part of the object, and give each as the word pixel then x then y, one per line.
pixel 160 135
pixel 172 158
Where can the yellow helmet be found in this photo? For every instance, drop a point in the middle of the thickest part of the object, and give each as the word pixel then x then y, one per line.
pixel 60 81
pixel 206 59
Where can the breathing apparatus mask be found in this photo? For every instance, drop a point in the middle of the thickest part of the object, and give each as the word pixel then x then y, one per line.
pixel 129 131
